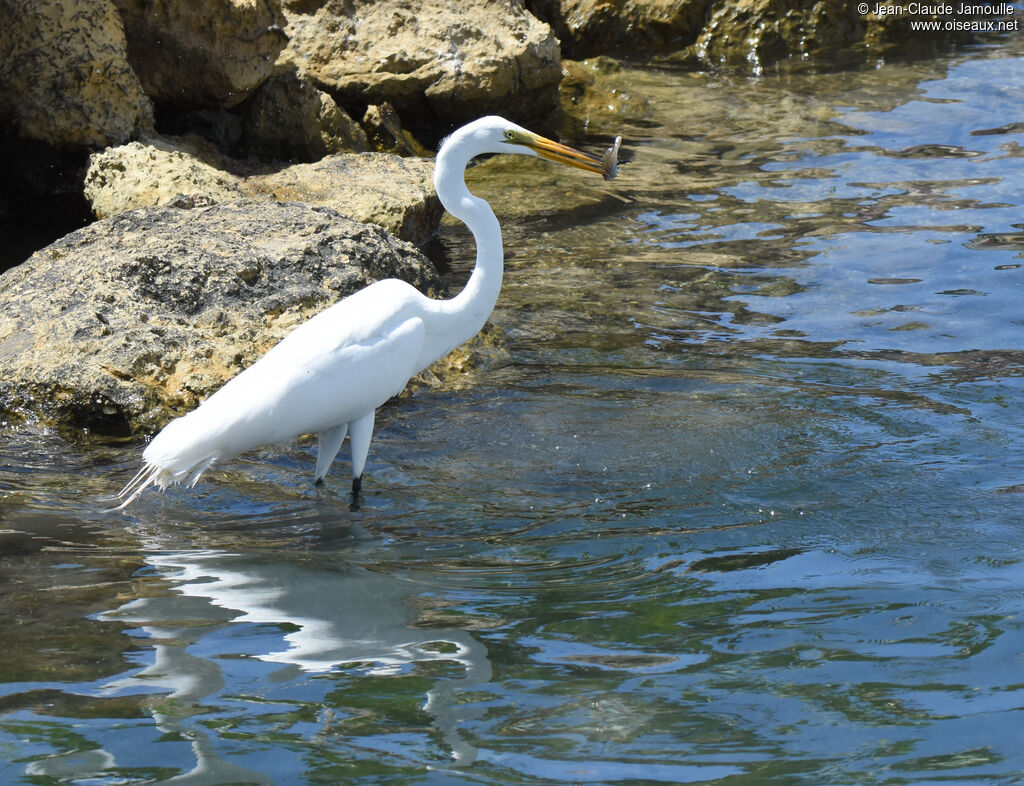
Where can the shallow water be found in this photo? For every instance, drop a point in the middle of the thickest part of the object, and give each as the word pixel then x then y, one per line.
pixel 737 501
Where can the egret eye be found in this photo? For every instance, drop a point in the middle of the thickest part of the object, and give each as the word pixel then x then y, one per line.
pixel 510 134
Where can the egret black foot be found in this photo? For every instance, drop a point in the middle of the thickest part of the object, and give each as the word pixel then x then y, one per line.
pixel 357 484
pixel 318 482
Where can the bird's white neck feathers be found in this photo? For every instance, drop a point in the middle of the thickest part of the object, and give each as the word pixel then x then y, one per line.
pixel 469 310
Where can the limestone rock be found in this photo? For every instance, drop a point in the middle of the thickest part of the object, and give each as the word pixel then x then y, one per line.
pixel 750 32
pixel 591 27
pixel 194 54
pixel 289 119
pixel 898 30
pixel 64 76
pixel 392 192
pixel 132 320
pixel 153 171
pixel 758 31
pixel 441 63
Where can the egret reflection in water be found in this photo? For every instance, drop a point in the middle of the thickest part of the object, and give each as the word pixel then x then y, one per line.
pixel 324 620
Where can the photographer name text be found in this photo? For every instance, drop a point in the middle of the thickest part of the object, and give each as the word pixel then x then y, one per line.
pixel 944 9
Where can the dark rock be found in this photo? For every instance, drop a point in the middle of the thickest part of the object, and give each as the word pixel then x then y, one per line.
pixel 193 55
pixel 591 27
pixel 758 32
pixel 288 119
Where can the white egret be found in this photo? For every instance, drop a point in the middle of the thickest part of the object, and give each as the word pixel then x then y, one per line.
pixel 332 372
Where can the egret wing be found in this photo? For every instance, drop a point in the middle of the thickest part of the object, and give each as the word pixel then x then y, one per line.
pixel 277 401
pixel 332 369
pixel 361 318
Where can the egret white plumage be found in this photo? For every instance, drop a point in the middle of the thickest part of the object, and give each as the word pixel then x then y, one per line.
pixel 330 374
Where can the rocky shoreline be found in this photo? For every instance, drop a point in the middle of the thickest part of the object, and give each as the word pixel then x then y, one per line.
pixel 237 166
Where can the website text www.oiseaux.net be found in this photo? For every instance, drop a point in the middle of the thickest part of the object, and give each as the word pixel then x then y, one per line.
pixel 959 17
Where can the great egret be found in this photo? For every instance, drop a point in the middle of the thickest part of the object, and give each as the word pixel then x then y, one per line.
pixel 332 372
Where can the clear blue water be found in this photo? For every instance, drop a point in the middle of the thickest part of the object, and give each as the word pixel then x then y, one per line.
pixel 738 501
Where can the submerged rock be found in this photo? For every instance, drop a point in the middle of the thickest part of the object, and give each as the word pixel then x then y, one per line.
pixel 392 192
pixel 450 60
pixel 122 325
pixel 595 93
pixel 757 30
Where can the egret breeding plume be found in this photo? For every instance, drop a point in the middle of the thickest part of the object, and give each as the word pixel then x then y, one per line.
pixel 330 374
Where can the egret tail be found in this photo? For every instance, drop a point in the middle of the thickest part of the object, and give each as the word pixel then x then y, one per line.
pixel 152 474
pixel 174 456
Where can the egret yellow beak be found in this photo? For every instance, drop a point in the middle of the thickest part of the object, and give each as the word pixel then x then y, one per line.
pixel 563 154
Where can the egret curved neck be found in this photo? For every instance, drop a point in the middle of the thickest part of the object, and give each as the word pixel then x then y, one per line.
pixel 459 319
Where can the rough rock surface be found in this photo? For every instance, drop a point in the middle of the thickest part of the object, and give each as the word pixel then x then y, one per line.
pixel 750 32
pixel 64 76
pixel 758 30
pixel 128 322
pixel 392 192
pixel 590 27
pixel 450 60
pixel 153 171
pixel 196 54
pixel 288 119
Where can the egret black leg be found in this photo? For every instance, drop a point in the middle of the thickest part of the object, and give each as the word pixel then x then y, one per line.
pixel 357 484
pixel 318 482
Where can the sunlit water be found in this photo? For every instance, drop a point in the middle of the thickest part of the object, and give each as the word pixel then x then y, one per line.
pixel 739 499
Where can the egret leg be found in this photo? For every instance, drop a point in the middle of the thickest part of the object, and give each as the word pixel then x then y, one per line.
pixel 357 483
pixel 360 432
pixel 329 443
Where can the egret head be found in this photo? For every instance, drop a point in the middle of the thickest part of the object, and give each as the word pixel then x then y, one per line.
pixel 495 134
